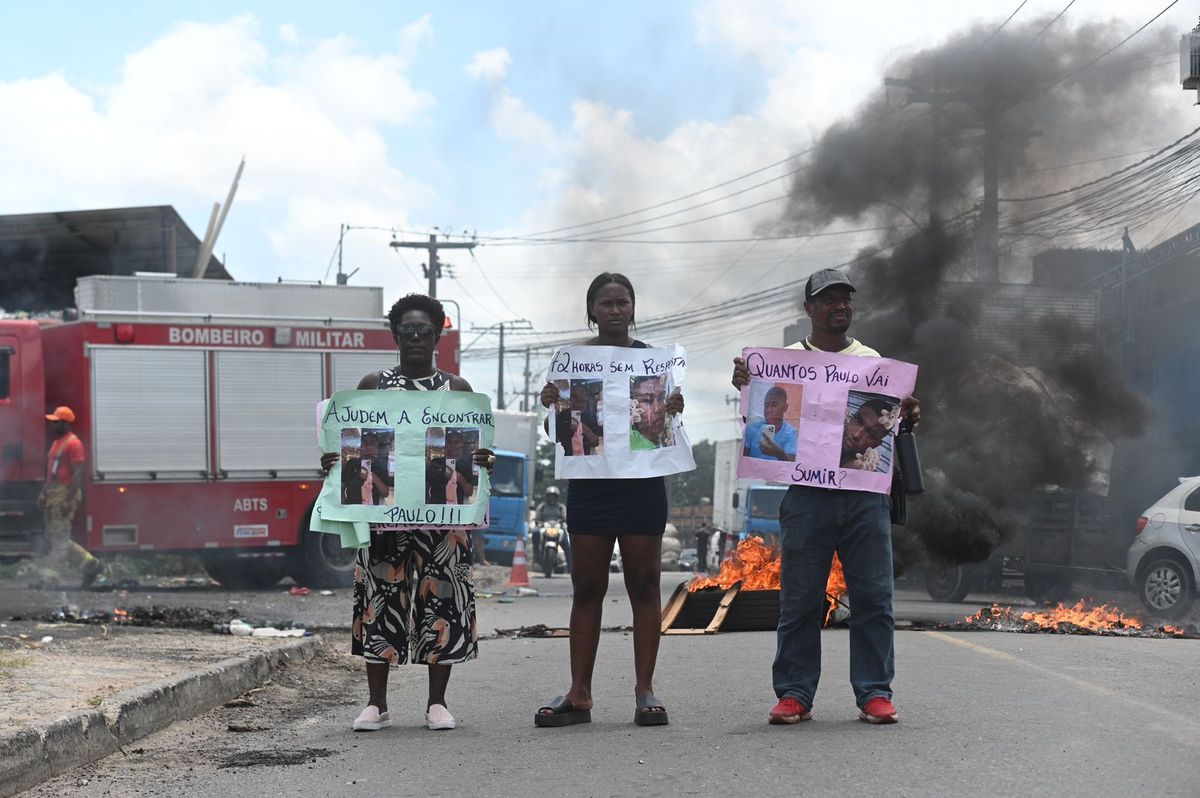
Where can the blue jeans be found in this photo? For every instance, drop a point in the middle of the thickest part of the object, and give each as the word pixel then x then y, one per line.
pixel 815 523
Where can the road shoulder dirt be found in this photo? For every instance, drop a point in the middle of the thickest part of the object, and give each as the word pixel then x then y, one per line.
pixel 71 693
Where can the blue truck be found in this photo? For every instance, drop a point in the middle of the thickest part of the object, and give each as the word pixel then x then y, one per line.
pixel 743 507
pixel 512 484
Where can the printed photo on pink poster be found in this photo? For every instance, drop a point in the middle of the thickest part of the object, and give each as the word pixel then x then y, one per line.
pixel 822 419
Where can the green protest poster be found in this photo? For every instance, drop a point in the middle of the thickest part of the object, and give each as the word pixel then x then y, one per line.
pixel 405 459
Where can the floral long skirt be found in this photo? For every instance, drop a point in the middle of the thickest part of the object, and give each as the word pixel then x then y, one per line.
pixel 413 593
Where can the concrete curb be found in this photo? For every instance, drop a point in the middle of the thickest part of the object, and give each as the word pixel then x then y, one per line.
pixel 36 754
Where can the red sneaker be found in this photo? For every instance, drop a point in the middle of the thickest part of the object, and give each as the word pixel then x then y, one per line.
pixel 788 711
pixel 879 710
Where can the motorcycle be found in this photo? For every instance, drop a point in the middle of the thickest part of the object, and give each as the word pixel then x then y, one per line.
pixel 552 555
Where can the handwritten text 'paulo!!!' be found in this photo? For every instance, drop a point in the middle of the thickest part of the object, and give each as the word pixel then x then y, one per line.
pixel 762 368
pixel 564 363
pixel 349 414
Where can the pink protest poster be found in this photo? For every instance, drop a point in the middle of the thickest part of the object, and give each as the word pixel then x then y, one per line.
pixel 822 419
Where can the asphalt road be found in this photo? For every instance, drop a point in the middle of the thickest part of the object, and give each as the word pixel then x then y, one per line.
pixel 550 607
pixel 981 714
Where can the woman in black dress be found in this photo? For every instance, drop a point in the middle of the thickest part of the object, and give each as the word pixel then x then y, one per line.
pixel 394 622
pixel 600 512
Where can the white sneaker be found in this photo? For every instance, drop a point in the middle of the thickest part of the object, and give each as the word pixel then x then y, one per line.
pixel 371 719
pixel 438 718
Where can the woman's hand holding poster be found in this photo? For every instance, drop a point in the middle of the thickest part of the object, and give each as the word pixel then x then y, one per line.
pixel 610 420
pixel 822 419
pixel 406 459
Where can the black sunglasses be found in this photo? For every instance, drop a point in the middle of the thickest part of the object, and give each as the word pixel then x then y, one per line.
pixel 420 330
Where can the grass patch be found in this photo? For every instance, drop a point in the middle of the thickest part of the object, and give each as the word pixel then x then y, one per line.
pixel 9 663
pixel 95 701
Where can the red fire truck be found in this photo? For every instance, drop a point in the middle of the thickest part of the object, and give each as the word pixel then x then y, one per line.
pixel 196 403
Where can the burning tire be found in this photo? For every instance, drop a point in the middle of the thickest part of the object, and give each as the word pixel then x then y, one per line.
pixel 321 560
pixel 1165 587
pixel 948 582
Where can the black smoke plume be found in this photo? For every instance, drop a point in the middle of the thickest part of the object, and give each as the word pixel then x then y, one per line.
pixel 1010 413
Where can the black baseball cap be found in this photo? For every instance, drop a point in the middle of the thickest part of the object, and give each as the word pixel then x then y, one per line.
pixel 823 279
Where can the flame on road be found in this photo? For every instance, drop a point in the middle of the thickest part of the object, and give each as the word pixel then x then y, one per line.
pixel 1099 618
pixel 756 565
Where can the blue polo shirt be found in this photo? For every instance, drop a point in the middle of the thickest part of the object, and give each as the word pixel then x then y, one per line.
pixel 785 438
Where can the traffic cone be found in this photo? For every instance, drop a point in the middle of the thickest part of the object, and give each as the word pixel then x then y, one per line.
pixel 520 567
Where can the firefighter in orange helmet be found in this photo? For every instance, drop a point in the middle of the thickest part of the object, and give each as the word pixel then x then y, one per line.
pixel 61 495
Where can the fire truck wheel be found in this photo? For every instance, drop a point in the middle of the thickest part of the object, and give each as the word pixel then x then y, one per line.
pixel 1165 587
pixel 948 582
pixel 321 560
pixel 244 573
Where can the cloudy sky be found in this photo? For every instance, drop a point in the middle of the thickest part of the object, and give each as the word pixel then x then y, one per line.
pixel 502 119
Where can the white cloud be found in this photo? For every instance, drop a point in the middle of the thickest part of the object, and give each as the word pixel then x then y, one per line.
pixel 288 34
pixel 514 121
pixel 172 128
pixel 413 36
pixel 490 65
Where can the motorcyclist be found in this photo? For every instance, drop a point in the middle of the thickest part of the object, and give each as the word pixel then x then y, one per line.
pixel 551 509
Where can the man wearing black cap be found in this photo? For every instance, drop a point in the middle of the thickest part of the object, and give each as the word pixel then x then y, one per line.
pixel 816 522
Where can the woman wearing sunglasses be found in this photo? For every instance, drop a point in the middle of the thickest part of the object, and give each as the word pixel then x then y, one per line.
pixel 436 622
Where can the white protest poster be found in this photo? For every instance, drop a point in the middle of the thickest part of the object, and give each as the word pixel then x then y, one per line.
pixel 610 420
pixel 406 459
pixel 822 419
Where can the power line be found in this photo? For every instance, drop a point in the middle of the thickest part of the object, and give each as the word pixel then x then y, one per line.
pixel 694 194
pixel 665 203
pixel 1109 176
pixel 677 212
pixel 1114 47
pixel 740 240
pixel 491 287
pixel 1056 19
pixel 1005 22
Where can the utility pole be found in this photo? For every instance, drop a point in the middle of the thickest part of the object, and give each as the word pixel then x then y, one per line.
pixel 987 229
pixel 525 393
pixel 512 325
pixel 987 237
pixel 433 270
pixel 500 372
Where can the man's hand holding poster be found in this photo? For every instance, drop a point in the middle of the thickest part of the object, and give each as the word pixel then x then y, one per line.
pixel 610 420
pixel 406 459
pixel 822 419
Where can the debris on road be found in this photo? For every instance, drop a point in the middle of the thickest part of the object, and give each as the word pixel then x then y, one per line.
pixel 244 727
pixel 297 590
pixel 246 759
pixel 1081 618
pixel 542 630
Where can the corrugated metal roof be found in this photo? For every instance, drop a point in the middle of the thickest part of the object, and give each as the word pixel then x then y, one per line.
pixel 42 255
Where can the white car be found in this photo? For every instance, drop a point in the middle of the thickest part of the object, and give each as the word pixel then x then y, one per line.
pixel 1163 562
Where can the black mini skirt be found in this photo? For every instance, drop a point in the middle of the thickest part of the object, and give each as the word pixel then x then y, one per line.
pixel 616 507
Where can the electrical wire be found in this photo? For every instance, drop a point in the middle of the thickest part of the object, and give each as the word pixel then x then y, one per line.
pixel 1099 180
pixel 1110 50
pixel 491 287
pixel 996 32
pixel 1056 19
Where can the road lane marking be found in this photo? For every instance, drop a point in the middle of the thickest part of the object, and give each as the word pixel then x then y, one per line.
pixel 1154 709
